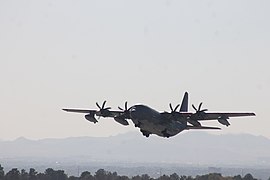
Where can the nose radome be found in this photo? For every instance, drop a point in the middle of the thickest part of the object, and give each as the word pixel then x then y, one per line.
pixel 132 109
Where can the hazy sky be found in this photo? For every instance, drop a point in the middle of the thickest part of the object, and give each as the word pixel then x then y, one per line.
pixel 71 54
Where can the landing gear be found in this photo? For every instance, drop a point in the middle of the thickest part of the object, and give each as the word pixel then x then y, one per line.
pixel 165 133
pixel 138 124
pixel 145 133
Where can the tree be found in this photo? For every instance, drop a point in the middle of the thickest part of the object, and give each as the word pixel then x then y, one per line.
pixel 73 178
pixel 86 176
pixel 32 174
pixel 2 173
pixel 248 177
pixel 101 174
pixel 60 175
pixel 24 175
pixel 42 176
pixel 145 177
pixel 211 176
pixel 238 177
pixel 122 178
pixel 164 177
pixel 215 176
pixel 174 176
pixel 113 176
pixel 51 174
pixel 136 177
pixel 13 174
pixel 183 177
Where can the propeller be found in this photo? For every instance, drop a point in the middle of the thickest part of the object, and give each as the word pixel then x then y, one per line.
pixel 124 115
pixel 103 106
pixel 199 112
pixel 102 110
pixel 199 108
pixel 197 115
pixel 126 107
pixel 173 110
pixel 125 110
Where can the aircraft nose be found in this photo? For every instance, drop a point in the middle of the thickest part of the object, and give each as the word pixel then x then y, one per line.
pixel 132 108
pixel 133 112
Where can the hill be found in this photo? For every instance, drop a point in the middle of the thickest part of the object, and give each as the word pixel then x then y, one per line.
pixel 186 148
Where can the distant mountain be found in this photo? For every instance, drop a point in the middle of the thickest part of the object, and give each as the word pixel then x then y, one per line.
pixel 186 148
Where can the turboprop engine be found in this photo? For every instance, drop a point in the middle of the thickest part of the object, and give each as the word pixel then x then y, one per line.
pixel 223 121
pixel 122 118
pixel 90 117
pixel 121 121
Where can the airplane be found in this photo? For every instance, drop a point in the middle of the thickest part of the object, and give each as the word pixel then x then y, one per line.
pixel 164 124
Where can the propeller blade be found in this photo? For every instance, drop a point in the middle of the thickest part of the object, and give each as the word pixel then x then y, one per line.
pixel 126 105
pixel 194 107
pixel 204 110
pixel 98 105
pixel 171 107
pixel 103 105
pixel 107 108
pixel 120 108
pixel 176 107
pixel 200 106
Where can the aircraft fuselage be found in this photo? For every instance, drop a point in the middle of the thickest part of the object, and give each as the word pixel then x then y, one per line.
pixel 152 122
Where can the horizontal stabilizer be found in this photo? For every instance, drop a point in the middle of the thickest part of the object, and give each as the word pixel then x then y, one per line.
pixel 201 127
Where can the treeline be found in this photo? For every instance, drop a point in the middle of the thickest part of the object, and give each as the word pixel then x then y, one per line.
pixel 101 174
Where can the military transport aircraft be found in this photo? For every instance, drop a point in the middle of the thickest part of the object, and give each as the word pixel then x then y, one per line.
pixel 164 124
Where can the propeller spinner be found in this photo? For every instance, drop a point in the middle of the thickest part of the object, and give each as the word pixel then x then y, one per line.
pixel 125 110
pixel 199 108
pixel 102 110
pixel 174 111
pixel 197 115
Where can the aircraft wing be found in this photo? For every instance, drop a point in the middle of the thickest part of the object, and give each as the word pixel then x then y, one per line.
pixel 216 115
pixel 98 113
pixel 194 118
pixel 80 110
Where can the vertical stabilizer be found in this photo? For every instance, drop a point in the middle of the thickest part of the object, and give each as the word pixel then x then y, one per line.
pixel 184 105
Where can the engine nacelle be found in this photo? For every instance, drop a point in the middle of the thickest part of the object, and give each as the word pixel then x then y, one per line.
pixel 121 121
pixel 91 118
pixel 223 121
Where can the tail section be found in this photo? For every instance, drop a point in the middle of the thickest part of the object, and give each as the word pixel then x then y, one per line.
pixel 184 105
